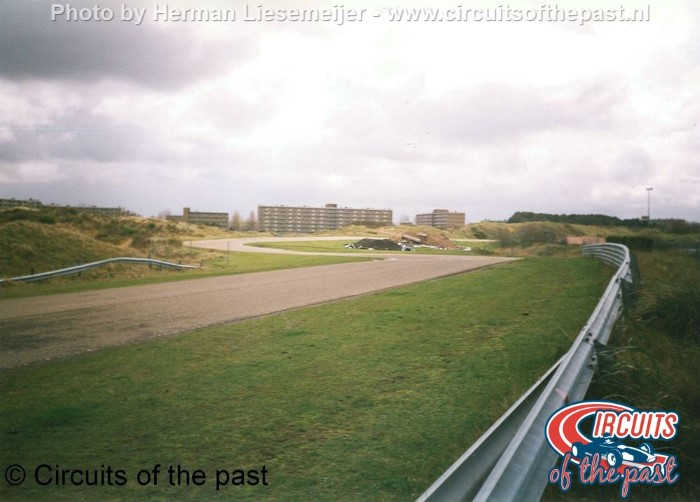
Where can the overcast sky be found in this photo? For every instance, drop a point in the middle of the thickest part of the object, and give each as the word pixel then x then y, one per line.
pixel 487 118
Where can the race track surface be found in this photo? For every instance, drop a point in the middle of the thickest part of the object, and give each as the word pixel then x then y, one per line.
pixel 46 327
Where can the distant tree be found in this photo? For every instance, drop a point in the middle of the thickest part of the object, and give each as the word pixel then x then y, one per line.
pixel 163 215
pixel 236 221
pixel 251 223
pixel 582 219
pixel 405 219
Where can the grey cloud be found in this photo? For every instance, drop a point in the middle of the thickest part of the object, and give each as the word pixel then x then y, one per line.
pixel 81 132
pixel 82 135
pixel 34 47
pixel 634 166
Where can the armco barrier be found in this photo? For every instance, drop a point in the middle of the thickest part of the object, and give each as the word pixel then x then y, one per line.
pixel 512 459
pixel 86 266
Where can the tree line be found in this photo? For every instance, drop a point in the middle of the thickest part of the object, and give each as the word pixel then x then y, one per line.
pixel 251 223
pixel 236 223
pixel 672 225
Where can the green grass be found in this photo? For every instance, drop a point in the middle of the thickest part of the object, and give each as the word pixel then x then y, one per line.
pixel 479 247
pixel 215 264
pixel 369 398
pixel 339 247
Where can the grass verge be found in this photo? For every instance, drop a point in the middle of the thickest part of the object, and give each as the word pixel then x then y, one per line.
pixel 364 399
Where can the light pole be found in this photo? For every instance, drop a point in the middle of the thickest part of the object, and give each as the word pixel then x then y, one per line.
pixel 649 189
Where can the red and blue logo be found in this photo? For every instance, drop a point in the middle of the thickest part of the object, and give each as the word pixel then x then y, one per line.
pixel 616 447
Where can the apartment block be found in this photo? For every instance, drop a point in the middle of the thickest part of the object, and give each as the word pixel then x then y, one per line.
pixel 34 203
pixel 316 219
pixel 441 218
pixel 201 218
pixel 103 211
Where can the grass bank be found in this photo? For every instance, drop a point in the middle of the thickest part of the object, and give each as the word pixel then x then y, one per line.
pixel 365 399
pixel 40 240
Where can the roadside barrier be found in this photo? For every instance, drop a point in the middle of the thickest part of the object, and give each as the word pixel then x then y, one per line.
pixel 512 459
pixel 86 266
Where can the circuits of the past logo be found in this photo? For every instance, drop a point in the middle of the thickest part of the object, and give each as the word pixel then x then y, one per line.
pixel 608 455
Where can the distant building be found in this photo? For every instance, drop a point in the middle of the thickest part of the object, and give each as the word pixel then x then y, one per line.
pixel 316 219
pixel 201 218
pixel 103 211
pixel 8 203
pixel 33 203
pixel 441 218
pixel 579 240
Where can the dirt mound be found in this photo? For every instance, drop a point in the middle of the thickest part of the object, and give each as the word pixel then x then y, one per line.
pixel 379 244
pixel 428 236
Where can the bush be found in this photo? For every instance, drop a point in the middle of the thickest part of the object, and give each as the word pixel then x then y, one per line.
pixel 17 214
pixel 549 250
pixel 637 242
pixel 528 234
pixel 140 241
pixel 478 233
pixel 532 233
pixel 506 238
pixel 678 226
pixel 45 218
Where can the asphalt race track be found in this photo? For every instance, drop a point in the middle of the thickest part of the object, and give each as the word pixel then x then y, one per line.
pixel 46 327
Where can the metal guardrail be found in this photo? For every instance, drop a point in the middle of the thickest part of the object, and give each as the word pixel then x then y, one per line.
pixel 86 266
pixel 511 460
